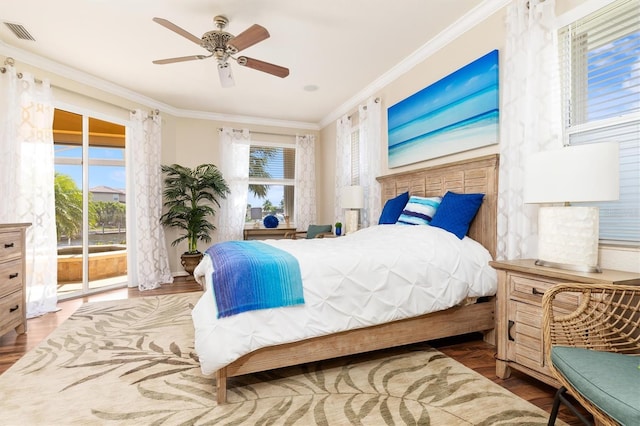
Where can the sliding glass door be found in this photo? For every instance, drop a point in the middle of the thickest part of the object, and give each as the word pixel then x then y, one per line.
pixel 90 192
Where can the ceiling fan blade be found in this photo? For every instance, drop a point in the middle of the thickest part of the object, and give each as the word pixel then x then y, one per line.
pixel 267 67
pixel 252 35
pixel 179 59
pixel 176 29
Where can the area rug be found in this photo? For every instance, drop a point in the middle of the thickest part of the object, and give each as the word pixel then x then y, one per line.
pixel 133 362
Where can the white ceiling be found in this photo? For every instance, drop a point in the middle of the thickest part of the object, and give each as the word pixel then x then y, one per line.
pixel 342 47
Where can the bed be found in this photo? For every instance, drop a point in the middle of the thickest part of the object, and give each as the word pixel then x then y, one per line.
pixel 272 338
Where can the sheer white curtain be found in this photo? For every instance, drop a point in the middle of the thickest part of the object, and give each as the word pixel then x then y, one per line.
pixel 27 177
pixel 234 149
pixel 343 162
pixel 305 194
pixel 369 116
pixel 529 117
pixel 148 258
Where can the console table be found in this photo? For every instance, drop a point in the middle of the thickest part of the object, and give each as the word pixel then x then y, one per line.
pixel 267 233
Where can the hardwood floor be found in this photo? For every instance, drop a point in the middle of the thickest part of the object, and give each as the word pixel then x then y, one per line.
pixel 469 350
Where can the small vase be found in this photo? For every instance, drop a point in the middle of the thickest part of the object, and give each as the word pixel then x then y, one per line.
pixel 338 231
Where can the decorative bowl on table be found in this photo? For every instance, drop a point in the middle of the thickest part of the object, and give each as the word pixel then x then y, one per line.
pixel 270 221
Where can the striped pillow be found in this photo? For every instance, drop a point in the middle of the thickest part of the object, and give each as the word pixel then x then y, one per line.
pixel 419 210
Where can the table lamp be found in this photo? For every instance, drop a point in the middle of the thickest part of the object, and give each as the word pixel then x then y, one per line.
pixel 352 199
pixel 568 235
pixel 256 216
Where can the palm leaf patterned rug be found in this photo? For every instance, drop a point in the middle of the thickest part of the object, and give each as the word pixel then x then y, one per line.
pixel 132 362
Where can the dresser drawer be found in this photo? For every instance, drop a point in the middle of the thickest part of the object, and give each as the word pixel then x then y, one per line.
pixel 11 310
pixel 10 276
pixel 10 245
pixel 530 289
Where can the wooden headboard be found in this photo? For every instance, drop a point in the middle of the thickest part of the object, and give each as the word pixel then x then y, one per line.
pixel 466 176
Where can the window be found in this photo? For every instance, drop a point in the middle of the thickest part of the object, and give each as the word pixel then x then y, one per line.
pixel 271 180
pixel 90 195
pixel 600 72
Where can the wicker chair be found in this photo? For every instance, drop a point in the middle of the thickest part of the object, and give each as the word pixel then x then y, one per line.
pixel 593 349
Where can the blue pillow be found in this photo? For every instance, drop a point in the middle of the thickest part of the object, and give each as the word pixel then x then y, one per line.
pixel 419 210
pixel 393 208
pixel 456 212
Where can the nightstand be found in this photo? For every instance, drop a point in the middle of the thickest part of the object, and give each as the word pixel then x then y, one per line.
pixel 521 285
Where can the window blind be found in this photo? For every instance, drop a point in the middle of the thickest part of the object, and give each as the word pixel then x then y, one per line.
pixel 355 157
pixel 600 74
pixel 270 164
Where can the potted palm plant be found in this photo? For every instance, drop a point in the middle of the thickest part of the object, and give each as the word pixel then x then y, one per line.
pixel 190 197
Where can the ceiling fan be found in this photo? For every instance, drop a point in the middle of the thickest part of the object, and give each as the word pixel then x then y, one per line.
pixel 223 46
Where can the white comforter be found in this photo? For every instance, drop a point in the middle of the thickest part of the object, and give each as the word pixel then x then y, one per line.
pixel 376 275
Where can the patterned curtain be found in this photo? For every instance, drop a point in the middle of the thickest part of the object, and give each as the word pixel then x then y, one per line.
pixel 370 168
pixel 343 162
pixel 27 179
pixel 305 195
pixel 234 149
pixel 529 117
pixel 149 261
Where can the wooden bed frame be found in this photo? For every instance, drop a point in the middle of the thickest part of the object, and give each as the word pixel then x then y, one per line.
pixel 468 176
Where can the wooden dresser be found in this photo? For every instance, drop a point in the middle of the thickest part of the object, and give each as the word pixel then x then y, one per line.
pixel 521 285
pixel 13 312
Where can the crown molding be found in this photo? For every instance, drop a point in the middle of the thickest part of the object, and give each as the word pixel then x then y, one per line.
pixel 82 77
pixel 474 17
pixel 465 23
pixel 245 119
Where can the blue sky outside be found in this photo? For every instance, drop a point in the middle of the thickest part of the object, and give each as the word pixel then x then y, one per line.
pixel 614 78
pixel 111 176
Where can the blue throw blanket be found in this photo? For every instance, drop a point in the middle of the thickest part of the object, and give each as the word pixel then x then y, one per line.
pixel 250 275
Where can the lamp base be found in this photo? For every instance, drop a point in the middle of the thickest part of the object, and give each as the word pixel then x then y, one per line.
pixel 568 267
pixel 351 221
pixel 568 236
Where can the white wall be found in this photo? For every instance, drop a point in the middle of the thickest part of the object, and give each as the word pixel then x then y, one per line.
pixel 485 37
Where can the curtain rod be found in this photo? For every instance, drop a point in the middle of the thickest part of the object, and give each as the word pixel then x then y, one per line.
pixel 376 100
pixel 9 62
pixel 262 133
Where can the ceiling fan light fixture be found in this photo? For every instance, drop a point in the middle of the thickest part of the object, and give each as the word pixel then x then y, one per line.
pixel 226 75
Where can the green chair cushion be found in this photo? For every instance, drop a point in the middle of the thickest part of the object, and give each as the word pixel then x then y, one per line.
pixel 609 380
pixel 314 230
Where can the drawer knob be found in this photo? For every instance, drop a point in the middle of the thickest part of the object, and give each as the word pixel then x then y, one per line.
pixel 509 336
pixel 8 245
pixel 537 292
pixel 14 275
pixel 15 308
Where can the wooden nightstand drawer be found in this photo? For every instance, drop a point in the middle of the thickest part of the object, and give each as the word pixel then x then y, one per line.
pixel 10 245
pixel 10 276
pixel 532 289
pixel 11 310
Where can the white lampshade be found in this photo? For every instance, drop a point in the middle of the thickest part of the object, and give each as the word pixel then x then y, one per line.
pixel 352 197
pixel 575 174
pixel 568 236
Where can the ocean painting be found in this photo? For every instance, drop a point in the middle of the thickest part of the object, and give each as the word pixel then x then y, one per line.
pixel 454 114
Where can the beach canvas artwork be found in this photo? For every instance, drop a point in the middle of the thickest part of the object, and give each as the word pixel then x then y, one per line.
pixel 454 114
